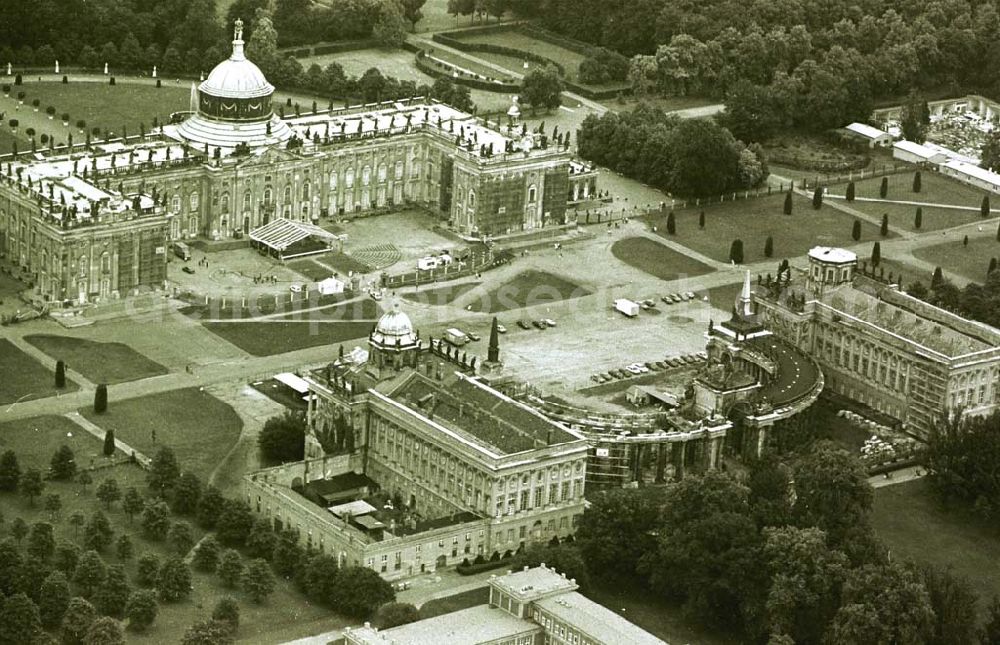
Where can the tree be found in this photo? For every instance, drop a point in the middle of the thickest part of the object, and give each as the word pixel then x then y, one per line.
pixel 818 198
pixel 230 568
pixel 109 443
pixel 111 597
pixel 616 530
pixel 883 188
pixel 390 27
pixel 258 583
pixel 19 620
pixel 63 465
pixel 850 192
pixel 918 218
pixel 831 491
pixel 706 158
pixel 79 616
pixel 180 537
pixel 163 472
pixel 174 580
pixel 394 614
pixel 208 632
pixel 101 398
pixel 132 503
pixel 914 120
pixel 54 599
pixel 701 219
pixel 788 203
pixel 41 541
pixel 60 374
pixel 10 471
pixel 235 523
pixel 186 493
pixel 210 506
pixel 19 529
pixel 876 254
pixel 109 492
pixel 227 611
pixel 84 479
pixel 769 485
pixel 768 247
pixel 542 87
pixel 283 438
pixel 124 548
pixel 141 610
pixel 937 278
pixel 736 252
pixel 105 631
pixel 954 603
pixel 856 230
pixel 90 573
pixel 990 633
pixel 262 540
pixel 155 519
pixel 884 228
pixel 206 555
pixel 984 207
pixel 147 570
pixel 882 604
pixel 916 182
pixel 412 11
pixel 98 533
pixel 66 556
pixel 77 520
pixel 360 591
pixel 565 558
pixel 31 484
pixel 671 226
pixel 288 555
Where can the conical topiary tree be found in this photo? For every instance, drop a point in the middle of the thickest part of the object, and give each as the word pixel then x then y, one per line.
pixel 937 278
pixel 736 251
pixel 850 192
pixel 916 182
pixel 671 224
pixel 101 398
pixel 768 247
pixel 918 220
pixel 109 443
pixel 876 254
pixel 984 207
pixel 788 203
pixel 60 374
pixel 884 229
pixel 856 230
pixel 992 267
pixel 883 189
pixel 818 197
pixel 701 220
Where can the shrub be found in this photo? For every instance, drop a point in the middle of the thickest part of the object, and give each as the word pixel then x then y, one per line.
pixel 101 399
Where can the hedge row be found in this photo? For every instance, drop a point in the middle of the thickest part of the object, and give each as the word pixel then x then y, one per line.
pixel 433 70
pixel 444 39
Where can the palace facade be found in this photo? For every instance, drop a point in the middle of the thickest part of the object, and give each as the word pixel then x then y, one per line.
pixel 231 165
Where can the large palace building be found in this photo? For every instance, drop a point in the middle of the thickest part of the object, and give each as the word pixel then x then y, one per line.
pixel 94 221
pixel 883 348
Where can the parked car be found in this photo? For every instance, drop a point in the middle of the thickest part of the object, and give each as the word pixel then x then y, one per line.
pixel 689 358
pixel 596 378
pixel 549 322
pixel 618 373
pixel 473 335
pixel 674 361
pixel 634 369
pixel 651 365
pixel 702 355
pixel 501 329
pixel 524 324
pixel 539 324
pixel 649 303
pixel 676 297
pixel 661 365
pixel 187 269
pixel 667 299
pixel 690 295
pixel 295 288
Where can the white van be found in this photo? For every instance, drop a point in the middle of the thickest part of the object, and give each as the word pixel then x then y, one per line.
pixel 456 337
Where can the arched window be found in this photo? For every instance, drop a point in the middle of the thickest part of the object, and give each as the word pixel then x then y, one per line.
pixel 399 170
pixel 192 225
pixel 247 200
pixel 532 193
pixel 267 196
pixel 224 203
pixel 366 176
pixel 333 180
pixel 106 262
pixel 382 170
pixel 305 190
pixel 472 199
pixel 287 195
pixel 194 201
pixel 349 178
pixel 83 265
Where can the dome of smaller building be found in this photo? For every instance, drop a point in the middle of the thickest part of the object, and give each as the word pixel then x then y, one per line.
pixel 394 329
pixel 236 79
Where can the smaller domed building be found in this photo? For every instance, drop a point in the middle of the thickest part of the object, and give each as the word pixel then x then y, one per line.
pixel 393 343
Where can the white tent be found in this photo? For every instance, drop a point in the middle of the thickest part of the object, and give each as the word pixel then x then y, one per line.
pixel 330 285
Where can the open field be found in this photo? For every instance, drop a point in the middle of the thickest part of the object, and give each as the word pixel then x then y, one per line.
pixel 444 295
pixel 36 439
pixel 198 427
pixel 268 338
pixel 917 527
pixel 98 362
pixel 656 259
pixel 24 378
pixel 970 261
pixel 309 269
pixel 455 602
pixel 527 289
pixel 752 220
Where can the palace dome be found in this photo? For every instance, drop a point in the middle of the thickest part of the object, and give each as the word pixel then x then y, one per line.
pixel 394 329
pixel 236 78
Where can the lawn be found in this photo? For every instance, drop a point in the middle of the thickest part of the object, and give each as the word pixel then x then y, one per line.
pixel 971 261
pixel 456 602
pixel 310 269
pixel 285 615
pixel 268 338
pixel 98 362
pixel 24 378
pixel 656 259
pixel 443 295
pixel 909 272
pixel 753 220
pixel 916 526
pixel 473 62
pixel 198 427
pixel 528 289
pixel 36 439
pixel 514 39
pixel 724 297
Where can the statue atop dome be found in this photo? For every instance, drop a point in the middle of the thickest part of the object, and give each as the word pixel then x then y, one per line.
pixel 238 31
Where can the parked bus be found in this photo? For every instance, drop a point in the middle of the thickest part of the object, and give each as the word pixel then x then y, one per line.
pixel 182 251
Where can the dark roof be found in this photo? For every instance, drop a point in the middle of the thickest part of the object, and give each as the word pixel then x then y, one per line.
pixel 333 486
pixel 493 420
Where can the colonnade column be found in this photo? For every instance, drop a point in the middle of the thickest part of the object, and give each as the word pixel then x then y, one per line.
pixel 677 459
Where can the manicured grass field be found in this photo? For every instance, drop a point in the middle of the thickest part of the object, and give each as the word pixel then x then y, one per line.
pixel 458 601
pixel 36 439
pixel 443 295
pixel 197 426
pixel 918 527
pixel 752 220
pixel 657 259
pixel 23 378
pixel 724 297
pixel 909 272
pixel 98 362
pixel 473 63
pixel 570 60
pixel 266 339
pixel 901 216
pixel 309 269
pixel 528 289
pixel 970 261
